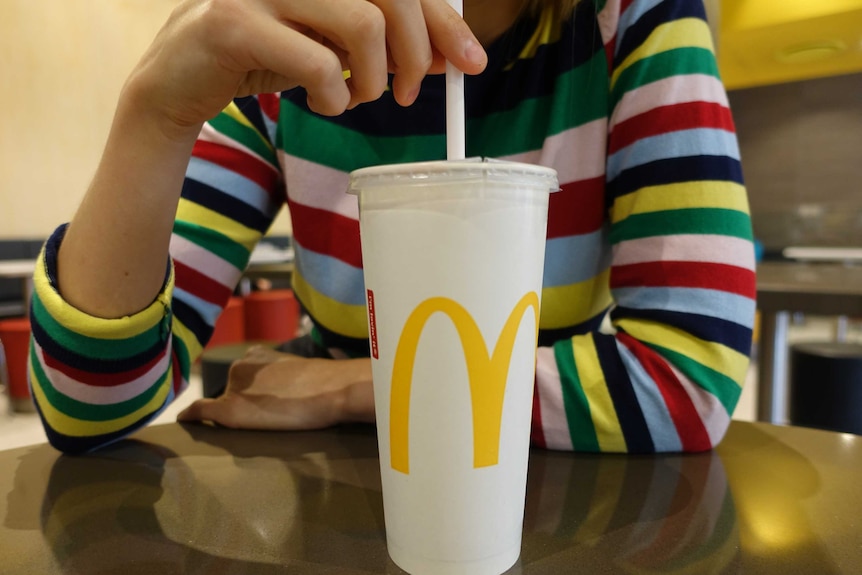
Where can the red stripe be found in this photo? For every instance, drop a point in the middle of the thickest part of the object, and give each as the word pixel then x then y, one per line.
pixel 686 419
pixel 578 208
pixel 624 5
pixel 200 285
pixel 537 432
pixel 270 104
pixel 610 46
pixel 176 373
pixel 721 277
pixel 673 118
pixel 263 174
pixel 101 379
pixel 326 233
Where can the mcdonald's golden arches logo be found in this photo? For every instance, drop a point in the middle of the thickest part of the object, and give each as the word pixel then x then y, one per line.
pixel 487 375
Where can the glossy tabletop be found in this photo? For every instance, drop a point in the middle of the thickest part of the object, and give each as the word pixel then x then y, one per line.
pixel 193 499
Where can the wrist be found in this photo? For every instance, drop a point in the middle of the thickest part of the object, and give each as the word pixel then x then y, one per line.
pixel 358 397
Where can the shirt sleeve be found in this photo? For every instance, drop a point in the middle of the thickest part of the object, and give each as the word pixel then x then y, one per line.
pixel 682 278
pixel 96 380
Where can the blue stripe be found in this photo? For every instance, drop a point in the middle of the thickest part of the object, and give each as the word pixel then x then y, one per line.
pixel 227 205
pixel 207 311
pixel 630 17
pixel 190 318
pixel 659 421
pixel 703 141
pixel 250 108
pixel 673 171
pixel 573 259
pixel 713 329
pixel 629 413
pixel 330 276
pixel 646 16
pixel 230 183
pixel 732 307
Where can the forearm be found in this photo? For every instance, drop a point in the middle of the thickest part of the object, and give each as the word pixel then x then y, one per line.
pixel 112 260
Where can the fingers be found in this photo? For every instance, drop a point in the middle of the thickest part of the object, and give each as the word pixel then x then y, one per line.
pixel 452 39
pixel 409 47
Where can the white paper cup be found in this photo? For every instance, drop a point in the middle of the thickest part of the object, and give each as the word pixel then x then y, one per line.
pixel 453 253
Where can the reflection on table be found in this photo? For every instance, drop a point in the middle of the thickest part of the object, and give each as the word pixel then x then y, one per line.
pixel 193 499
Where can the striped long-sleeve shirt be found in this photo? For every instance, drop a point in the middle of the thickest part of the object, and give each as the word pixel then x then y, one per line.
pixel 651 226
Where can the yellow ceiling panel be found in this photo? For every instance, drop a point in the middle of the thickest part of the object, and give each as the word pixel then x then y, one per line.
pixel 763 42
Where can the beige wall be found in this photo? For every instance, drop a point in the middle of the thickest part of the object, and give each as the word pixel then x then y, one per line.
pixel 62 63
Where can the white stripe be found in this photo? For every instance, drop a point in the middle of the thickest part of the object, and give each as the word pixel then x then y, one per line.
pixel 674 90
pixel 555 426
pixel 704 248
pixel 712 413
pixel 577 153
pixel 204 261
pixel 318 186
pixel 213 136
pixel 100 395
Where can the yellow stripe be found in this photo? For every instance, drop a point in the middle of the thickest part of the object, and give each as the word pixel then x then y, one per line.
pixel 710 354
pixel 97 327
pixel 344 319
pixel 83 428
pixel 233 111
pixel 547 31
pixel 570 305
pixel 605 500
pixel 607 425
pixel 684 33
pixel 195 213
pixel 705 194
pixel 187 336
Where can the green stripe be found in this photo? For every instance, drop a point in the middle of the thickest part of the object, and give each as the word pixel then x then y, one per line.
pixel 219 244
pixel 94 348
pixel 721 386
pixel 182 355
pixel 88 411
pixel 324 142
pixel 525 127
pixel 676 62
pixel 718 221
pixel 577 407
pixel 245 135
pixel 521 129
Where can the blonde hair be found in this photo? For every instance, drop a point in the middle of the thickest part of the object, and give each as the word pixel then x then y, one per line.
pixel 560 7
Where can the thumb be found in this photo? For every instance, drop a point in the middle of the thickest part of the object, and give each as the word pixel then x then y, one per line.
pixel 207 409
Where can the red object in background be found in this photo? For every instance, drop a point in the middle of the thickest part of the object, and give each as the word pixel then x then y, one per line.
pixel 271 315
pixel 15 336
pixel 230 325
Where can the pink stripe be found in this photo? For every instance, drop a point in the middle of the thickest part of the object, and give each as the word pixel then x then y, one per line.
pixel 209 134
pixel 204 261
pixel 715 249
pixel 667 92
pixel 712 413
pixel 555 426
pixel 97 395
pixel 577 153
pixel 318 186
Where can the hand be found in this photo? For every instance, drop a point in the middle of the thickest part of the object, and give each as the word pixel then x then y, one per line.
pixel 268 389
pixel 211 51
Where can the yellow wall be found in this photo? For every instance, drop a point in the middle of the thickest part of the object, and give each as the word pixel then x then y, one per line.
pixel 62 63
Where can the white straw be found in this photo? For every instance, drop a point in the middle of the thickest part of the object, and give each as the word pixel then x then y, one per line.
pixel 455 115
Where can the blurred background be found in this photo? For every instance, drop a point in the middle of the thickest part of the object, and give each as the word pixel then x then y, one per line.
pixel 793 69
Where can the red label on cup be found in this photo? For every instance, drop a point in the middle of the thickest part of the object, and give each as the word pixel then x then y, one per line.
pixel 372 324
